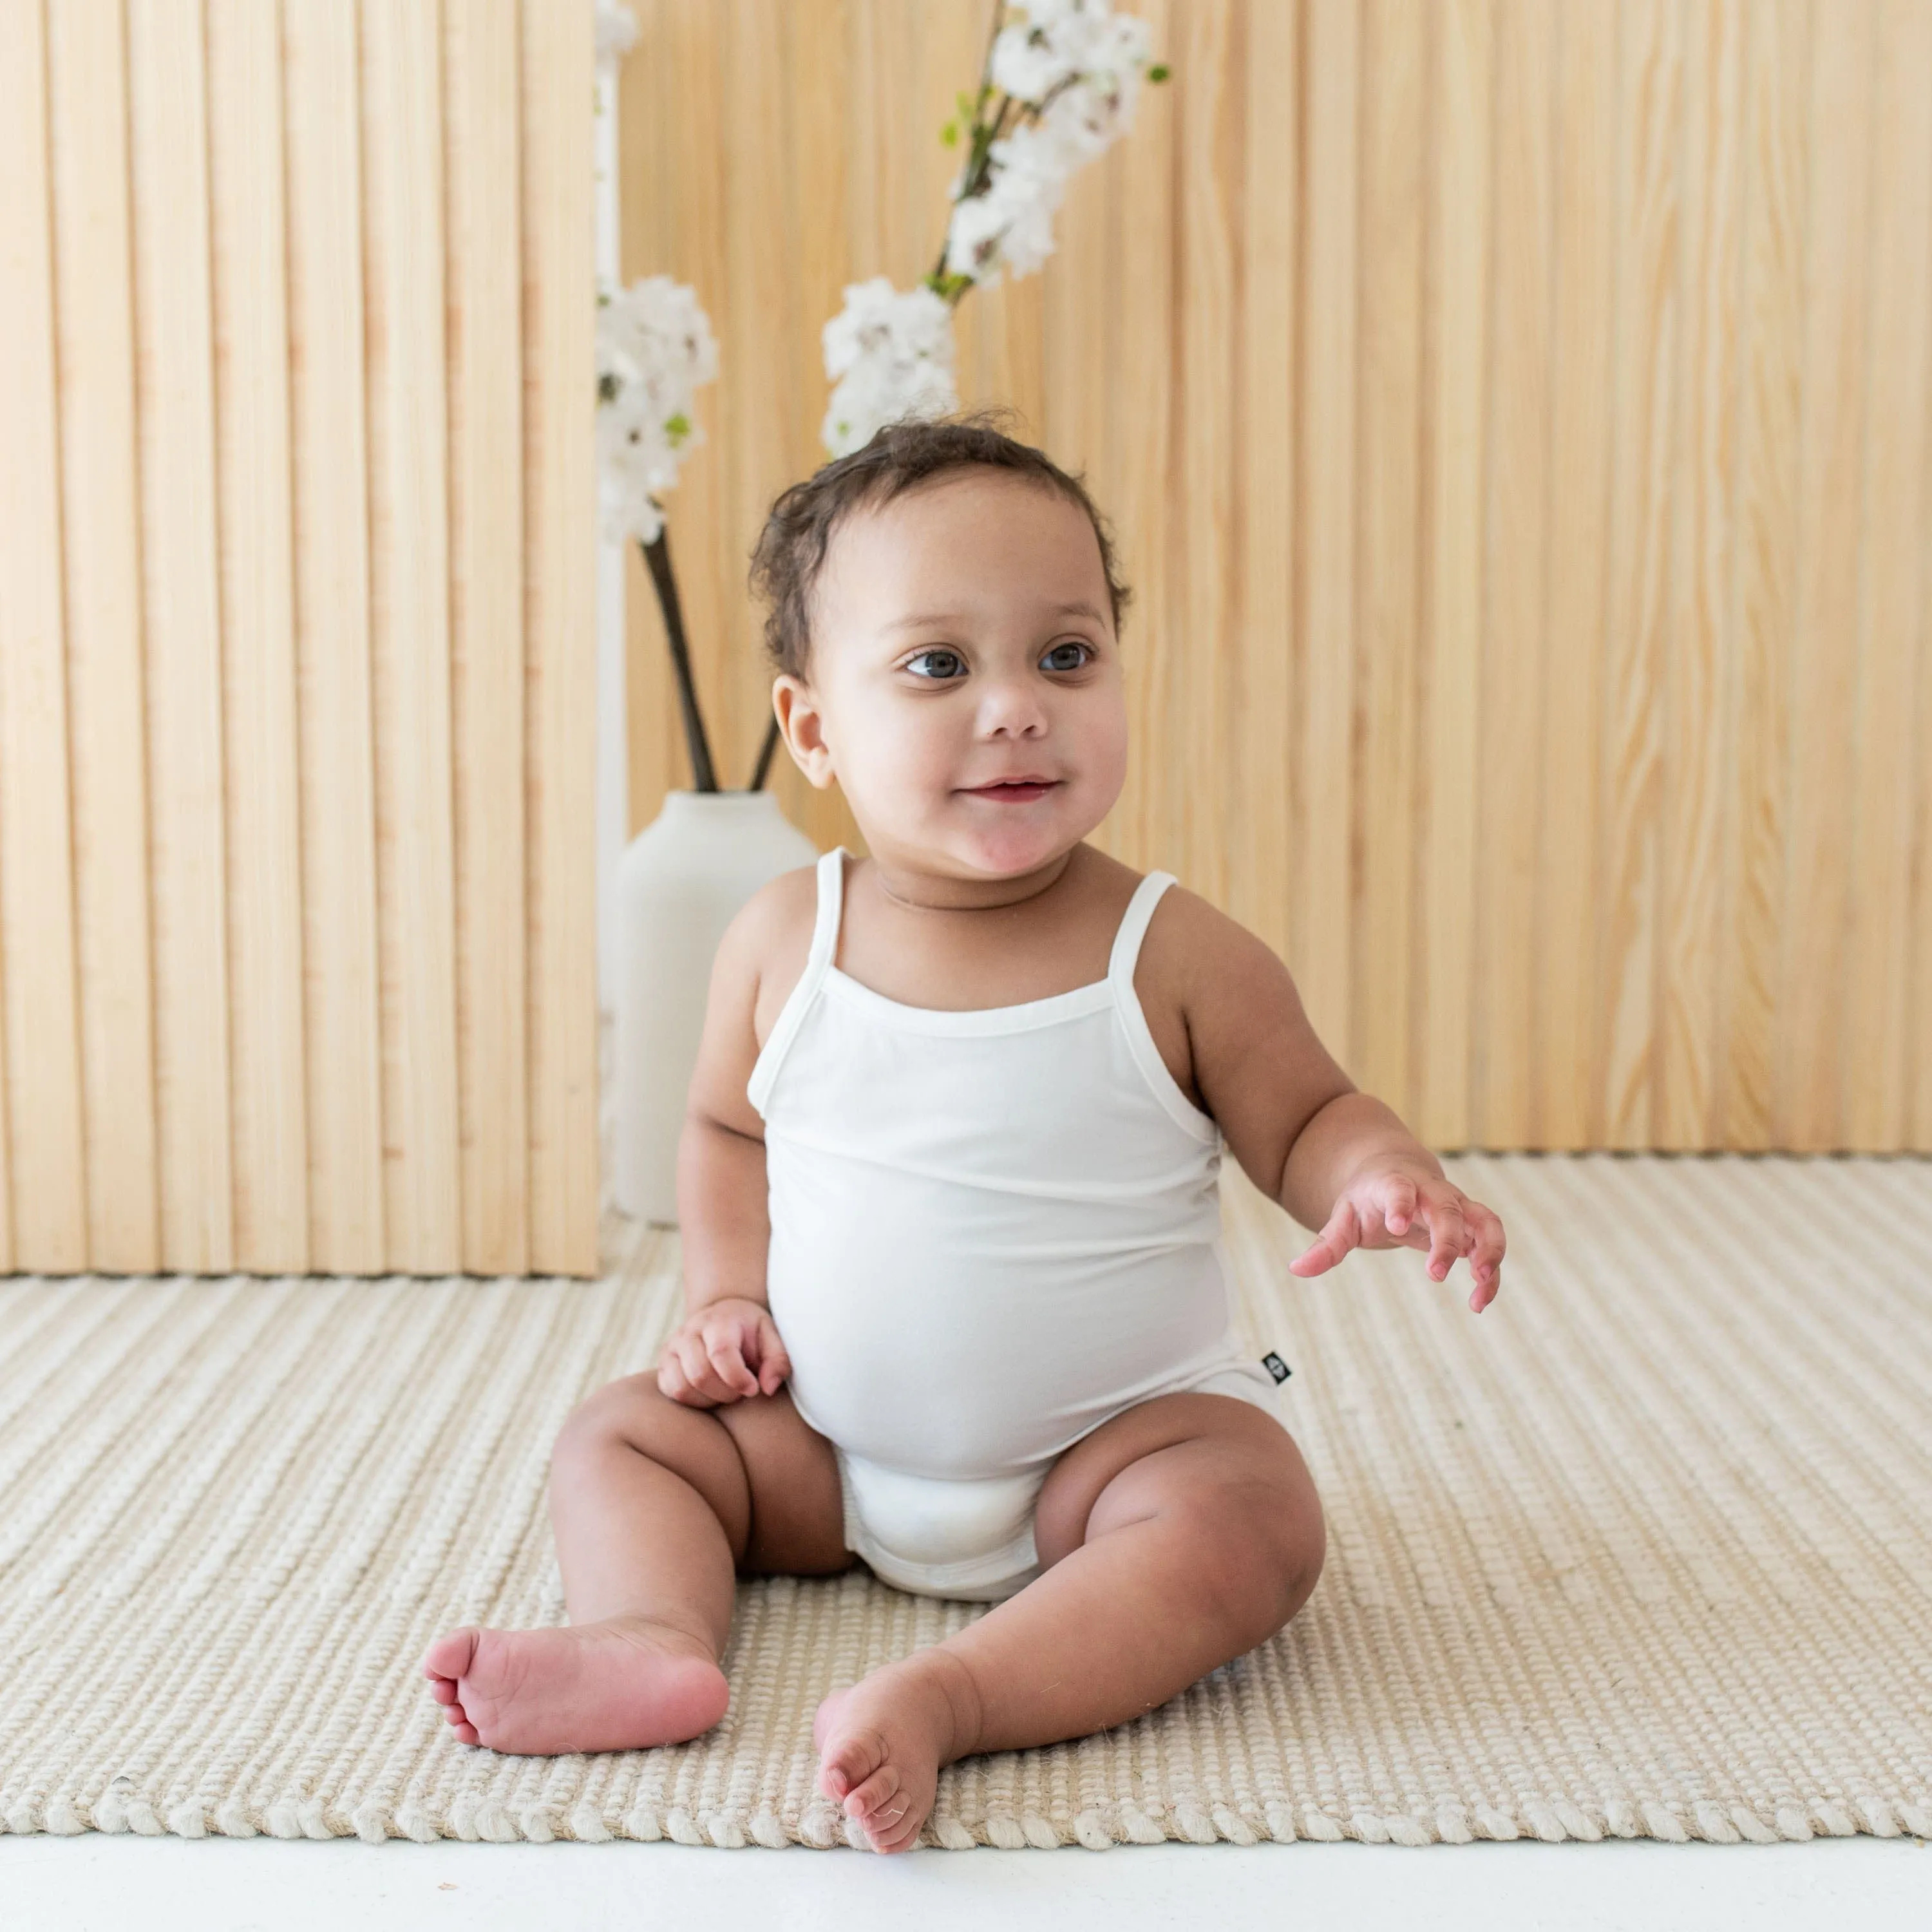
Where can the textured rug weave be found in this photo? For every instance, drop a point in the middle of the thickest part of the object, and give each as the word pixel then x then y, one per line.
pixel 1644 1550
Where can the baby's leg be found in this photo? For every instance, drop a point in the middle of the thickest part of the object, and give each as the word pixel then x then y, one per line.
pixel 656 1506
pixel 1178 1536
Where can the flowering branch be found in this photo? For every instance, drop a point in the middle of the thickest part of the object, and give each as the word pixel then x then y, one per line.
pixel 1066 79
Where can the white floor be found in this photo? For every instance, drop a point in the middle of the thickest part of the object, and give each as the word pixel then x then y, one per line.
pixel 96 1883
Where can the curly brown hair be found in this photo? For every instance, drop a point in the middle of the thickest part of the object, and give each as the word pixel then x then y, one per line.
pixel 791 548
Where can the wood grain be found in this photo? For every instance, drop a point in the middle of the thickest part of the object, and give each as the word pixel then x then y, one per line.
pixel 263 824
pixel 1650 64
pixel 409 635
pixel 1517 661
pixel 560 667
pixel 180 563
pixel 1455 377
pixel 341 966
pixel 1385 938
pixel 486 584
pixel 1891 762
pixel 1831 508
pixel 44 1139
pixel 1568 1111
pixel 106 719
pixel 1777 152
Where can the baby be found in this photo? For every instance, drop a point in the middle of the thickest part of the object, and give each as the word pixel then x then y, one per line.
pixel 957 1299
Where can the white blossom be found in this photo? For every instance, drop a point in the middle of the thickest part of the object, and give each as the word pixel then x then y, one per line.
pixel 654 348
pixel 617 30
pixel 1078 65
pixel 890 355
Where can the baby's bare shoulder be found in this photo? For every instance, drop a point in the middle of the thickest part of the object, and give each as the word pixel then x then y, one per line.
pixel 1193 948
pixel 764 950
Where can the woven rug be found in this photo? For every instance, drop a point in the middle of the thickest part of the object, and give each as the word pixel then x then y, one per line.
pixel 1643 1550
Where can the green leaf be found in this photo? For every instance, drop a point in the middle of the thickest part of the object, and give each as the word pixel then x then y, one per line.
pixel 1159 71
pixel 949 135
pixel 964 102
pixel 677 428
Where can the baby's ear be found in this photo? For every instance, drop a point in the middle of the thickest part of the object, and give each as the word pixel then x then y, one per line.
pixel 802 725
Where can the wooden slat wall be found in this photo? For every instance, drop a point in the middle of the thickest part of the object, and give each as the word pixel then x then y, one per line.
pixel 1517 419
pixel 296 653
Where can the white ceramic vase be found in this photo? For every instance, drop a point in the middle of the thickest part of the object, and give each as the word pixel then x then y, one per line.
pixel 678 884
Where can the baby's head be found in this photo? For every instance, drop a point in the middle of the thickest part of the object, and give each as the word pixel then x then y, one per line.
pixel 945 616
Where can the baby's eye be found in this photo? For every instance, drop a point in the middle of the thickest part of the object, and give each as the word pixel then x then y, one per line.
pixel 1072 644
pixel 951 665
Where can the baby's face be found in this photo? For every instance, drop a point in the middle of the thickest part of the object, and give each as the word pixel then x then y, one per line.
pixel 962 641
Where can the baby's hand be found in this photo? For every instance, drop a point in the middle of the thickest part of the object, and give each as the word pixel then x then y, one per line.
pixel 728 1350
pixel 1395 1206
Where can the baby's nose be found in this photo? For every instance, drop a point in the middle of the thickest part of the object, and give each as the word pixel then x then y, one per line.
pixel 1012 707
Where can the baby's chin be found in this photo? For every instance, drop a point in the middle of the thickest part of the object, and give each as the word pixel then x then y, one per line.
pixel 962 838
pixel 1004 841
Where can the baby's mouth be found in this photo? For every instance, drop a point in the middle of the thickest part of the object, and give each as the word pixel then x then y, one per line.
pixel 1013 791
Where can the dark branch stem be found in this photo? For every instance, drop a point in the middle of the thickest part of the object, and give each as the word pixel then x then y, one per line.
pixel 657 555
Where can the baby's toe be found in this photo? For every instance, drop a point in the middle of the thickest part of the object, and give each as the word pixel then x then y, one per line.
pixel 849 1762
pixel 868 1801
pixel 443 1690
pixel 452 1653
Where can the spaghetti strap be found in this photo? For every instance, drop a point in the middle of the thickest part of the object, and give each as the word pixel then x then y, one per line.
pixel 1133 929
pixel 831 895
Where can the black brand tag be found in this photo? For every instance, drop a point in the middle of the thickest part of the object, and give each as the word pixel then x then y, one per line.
pixel 1276 1367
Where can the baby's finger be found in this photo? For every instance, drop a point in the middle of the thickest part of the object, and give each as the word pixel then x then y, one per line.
pixel 1344 1232
pixel 1398 1202
pixel 774 1364
pixel 673 1381
pixel 727 1361
pixel 1486 1258
pixel 1448 1237
pixel 701 1377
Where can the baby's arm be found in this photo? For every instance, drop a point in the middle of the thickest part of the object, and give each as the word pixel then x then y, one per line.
pixel 727 1346
pixel 1336 1158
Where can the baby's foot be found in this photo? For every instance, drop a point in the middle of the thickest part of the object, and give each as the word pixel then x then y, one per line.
pixel 619 1685
pixel 880 1744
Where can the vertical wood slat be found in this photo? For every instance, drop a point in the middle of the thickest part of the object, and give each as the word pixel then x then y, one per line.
pixel 1917 1038
pixel 1210 134
pixel 754 334
pixel 486 626
pixel 560 661
pixel 1831 509
pixel 1695 745
pixel 409 630
pixel 1384 945
pixel 1563 989
pixel 649 223
pixel 1453 408
pixel 87 100
pixel 1650 70
pixel 1323 739
pixel 264 834
pixel 1143 492
pixel 343 1048
pixel 174 337
pixel 1269 349
pixel 1890 763
pixel 1515 655
pixel 1777 157
pixel 696 520
pixel 44 1141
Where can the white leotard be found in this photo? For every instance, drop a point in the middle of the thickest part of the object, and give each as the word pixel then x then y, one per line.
pixel 991 1230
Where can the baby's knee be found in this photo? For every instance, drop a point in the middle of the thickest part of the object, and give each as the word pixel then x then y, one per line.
pixel 631 1413
pixel 1259 1549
